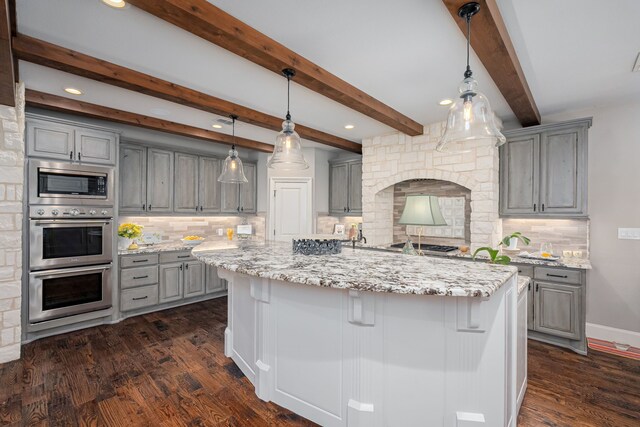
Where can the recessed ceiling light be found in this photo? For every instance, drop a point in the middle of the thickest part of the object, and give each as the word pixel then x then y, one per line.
pixel 349 126
pixel 73 91
pixel 118 4
pixel 446 102
pixel 216 126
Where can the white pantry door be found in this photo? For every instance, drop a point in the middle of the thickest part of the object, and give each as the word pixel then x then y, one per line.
pixel 291 209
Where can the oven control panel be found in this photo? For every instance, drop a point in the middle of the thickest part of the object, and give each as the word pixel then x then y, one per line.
pixel 36 212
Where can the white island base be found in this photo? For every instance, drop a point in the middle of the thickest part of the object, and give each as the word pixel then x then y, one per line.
pixel 351 358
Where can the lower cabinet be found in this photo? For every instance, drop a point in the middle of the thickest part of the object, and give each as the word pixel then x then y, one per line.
pixel 169 277
pixel 557 309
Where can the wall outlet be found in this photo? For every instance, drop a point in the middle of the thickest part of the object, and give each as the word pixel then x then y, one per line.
pixel 220 231
pixel 577 254
pixel 629 233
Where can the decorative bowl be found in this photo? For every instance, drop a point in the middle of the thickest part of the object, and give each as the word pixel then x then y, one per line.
pixel 192 242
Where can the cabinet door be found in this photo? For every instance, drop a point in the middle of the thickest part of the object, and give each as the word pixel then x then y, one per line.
pixel 355 188
pixel 338 188
pixel 185 189
pixel 230 198
pixel 94 146
pixel 193 279
pixel 133 178
pixel 519 171
pixel 521 351
pixel 50 140
pixel 214 283
pixel 159 180
pixel 563 172
pixel 171 282
pixel 557 309
pixel 248 191
pixel 531 309
pixel 208 185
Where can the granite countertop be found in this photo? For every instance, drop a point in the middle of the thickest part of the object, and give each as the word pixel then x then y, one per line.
pixel 577 263
pixel 375 271
pixel 523 281
pixel 170 246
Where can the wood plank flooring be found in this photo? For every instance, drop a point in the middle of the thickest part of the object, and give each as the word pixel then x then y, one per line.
pixel 168 369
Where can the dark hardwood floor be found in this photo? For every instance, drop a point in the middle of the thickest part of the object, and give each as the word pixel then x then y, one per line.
pixel 168 369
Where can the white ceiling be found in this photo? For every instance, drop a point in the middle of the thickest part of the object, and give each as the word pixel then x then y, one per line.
pixel 407 53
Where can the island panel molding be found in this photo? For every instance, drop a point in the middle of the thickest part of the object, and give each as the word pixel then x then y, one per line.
pixel 70 61
pixel 211 23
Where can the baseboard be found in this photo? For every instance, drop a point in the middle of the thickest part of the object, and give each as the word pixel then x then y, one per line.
pixel 607 333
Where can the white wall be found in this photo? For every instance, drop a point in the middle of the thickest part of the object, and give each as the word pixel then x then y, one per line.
pixel 614 201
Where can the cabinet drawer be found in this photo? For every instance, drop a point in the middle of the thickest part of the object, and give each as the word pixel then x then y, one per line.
pixel 558 275
pixel 132 277
pixel 525 270
pixel 170 257
pixel 138 260
pixel 144 296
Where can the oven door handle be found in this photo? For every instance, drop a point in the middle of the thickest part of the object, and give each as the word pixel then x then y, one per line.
pixel 67 271
pixel 75 222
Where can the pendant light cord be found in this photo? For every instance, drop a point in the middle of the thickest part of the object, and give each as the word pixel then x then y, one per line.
pixel 468 73
pixel 288 95
pixel 233 131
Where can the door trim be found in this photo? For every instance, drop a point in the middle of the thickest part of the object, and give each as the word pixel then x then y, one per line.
pixel 272 183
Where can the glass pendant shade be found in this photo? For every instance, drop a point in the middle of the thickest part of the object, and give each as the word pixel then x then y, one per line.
pixel 287 152
pixel 470 118
pixel 232 170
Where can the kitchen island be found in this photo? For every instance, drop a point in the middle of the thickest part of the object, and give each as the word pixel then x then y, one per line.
pixel 367 338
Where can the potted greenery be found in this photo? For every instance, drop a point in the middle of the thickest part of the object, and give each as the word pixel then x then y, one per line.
pixel 132 232
pixel 494 254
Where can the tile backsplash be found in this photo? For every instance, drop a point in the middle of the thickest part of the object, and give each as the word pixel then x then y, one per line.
pixel 563 234
pixel 176 227
pixel 325 223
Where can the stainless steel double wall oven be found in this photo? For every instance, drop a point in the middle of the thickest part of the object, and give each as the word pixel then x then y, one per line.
pixel 71 210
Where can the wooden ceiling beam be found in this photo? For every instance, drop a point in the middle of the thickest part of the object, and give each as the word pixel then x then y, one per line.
pixel 491 42
pixel 7 79
pixel 50 55
pixel 211 23
pixel 66 105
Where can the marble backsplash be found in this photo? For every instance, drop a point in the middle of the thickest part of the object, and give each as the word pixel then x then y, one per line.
pixel 176 227
pixel 563 234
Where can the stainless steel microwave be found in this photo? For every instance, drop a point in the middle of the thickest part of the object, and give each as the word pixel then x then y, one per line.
pixel 57 183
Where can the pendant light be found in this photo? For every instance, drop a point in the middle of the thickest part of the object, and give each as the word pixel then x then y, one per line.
pixel 232 171
pixel 287 152
pixel 470 116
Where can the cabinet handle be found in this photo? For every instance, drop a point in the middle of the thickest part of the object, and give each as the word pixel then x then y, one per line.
pixel 543 207
pixel 201 209
pixel 196 208
pixel 79 156
pixel 70 155
pixel 534 207
pixel 144 207
pixel 344 209
pixel 139 298
pixel 557 275
pixel 529 286
pixel 149 207
pixel 180 267
pixel 140 277
pixel 186 266
pixel 140 260
pixel 184 256
pixel 242 209
pixel 537 286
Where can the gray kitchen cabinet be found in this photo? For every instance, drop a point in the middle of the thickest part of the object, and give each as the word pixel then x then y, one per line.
pixel 345 187
pixel 171 282
pixel 95 146
pixel 185 198
pixel 133 178
pixel 208 185
pixel 557 309
pixel 65 140
pixel 213 282
pixel 241 198
pixel 194 280
pixel 543 171
pixel 159 180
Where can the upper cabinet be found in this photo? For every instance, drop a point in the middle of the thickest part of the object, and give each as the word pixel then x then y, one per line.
pixel 345 187
pixel 543 171
pixel 64 140
pixel 154 181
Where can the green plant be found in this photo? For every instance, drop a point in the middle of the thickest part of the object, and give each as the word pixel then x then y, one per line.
pixel 494 255
pixel 517 235
pixel 130 230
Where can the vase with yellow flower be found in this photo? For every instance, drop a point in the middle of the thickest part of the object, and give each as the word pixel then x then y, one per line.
pixel 130 231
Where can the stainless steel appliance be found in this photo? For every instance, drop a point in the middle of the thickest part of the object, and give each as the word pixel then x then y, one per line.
pixel 68 291
pixel 57 183
pixel 63 236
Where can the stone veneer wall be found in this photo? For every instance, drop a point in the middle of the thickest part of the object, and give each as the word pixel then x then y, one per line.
pixel 563 234
pixel 436 188
pixel 390 159
pixel 11 191
pixel 176 227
